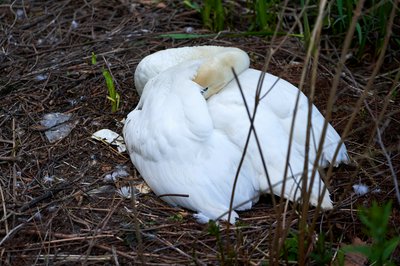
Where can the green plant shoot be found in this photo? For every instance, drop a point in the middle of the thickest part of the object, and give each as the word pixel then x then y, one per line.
pixel 375 220
pixel 94 59
pixel 213 14
pixel 192 5
pixel 113 95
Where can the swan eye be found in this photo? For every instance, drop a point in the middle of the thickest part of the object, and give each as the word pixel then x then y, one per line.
pixel 204 90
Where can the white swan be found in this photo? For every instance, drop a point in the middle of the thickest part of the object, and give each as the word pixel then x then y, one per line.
pixel 188 132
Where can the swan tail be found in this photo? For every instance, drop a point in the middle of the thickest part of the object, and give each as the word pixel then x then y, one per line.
pixel 331 143
pixel 317 189
pixel 326 203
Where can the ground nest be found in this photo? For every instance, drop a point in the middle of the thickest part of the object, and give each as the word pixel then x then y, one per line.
pixel 57 207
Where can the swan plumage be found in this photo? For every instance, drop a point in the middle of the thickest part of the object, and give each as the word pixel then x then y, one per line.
pixel 187 134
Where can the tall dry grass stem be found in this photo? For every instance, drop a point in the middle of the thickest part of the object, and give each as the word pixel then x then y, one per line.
pixel 369 84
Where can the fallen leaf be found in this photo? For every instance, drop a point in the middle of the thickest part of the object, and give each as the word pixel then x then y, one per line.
pixel 355 258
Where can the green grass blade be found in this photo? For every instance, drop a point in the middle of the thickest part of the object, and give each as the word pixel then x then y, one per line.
pixel 261 14
pixel 359 33
pixel 220 16
pixel 183 36
pixel 206 13
pixel 118 98
pixel 391 245
pixel 340 11
pixel 94 59
pixel 113 96
pixel 192 5
pixel 110 83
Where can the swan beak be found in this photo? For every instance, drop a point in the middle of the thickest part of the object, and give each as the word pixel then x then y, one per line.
pixel 204 91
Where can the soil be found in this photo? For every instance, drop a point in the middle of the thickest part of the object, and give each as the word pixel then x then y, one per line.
pixel 57 207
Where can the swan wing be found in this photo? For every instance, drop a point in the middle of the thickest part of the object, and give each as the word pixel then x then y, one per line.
pixel 280 96
pixel 273 122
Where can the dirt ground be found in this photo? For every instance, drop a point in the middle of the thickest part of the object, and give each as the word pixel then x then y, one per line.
pixel 57 208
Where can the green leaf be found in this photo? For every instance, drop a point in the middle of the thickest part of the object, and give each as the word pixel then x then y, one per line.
pixel 220 16
pixel 213 228
pixel 390 247
pixel 290 248
pixel 359 32
pixel 118 98
pixel 306 26
pixel 176 217
pixel 94 59
pixel 111 99
pixel 365 250
pixel 340 10
pixel 113 95
pixel 213 14
pixel 109 83
pixel 206 13
pixel 340 257
pixel 261 14
pixel 182 36
pixel 192 5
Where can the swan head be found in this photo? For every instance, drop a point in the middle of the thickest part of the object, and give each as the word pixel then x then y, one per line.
pixel 216 71
pixel 212 75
